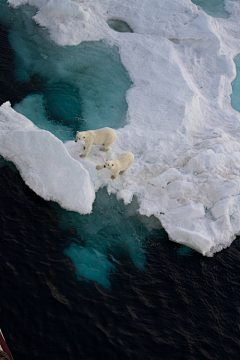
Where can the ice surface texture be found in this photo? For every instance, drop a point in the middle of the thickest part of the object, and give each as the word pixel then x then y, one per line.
pixel 179 113
pixel 44 163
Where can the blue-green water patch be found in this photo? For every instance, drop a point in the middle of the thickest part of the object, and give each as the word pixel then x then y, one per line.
pixel 213 8
pixel 90 264
pixel 111 230
pixel 235 96
pixel 34 107
pixel 83 86
pixel 183 250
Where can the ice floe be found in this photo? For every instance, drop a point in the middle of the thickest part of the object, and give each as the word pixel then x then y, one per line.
pixel 180 124
pixel 43 162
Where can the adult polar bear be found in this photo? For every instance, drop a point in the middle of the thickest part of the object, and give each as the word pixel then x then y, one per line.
pixel 119 165
pixel 105 136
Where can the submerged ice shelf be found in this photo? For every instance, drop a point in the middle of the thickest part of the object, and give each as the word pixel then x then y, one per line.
pixel 180 123
pixel 101 238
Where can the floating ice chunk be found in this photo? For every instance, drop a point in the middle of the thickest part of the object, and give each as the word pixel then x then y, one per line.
pixel 195 240
pixel 165 178
pixel 44 163
pixel 48 169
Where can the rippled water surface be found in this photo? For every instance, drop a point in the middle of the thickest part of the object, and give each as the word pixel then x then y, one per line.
pixel 180 307
pixel 109 285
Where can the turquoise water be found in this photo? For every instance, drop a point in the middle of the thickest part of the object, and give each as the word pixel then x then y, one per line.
pixel 83 87
pixel 213 8
pixel 34 107
pixel 235 96
pixel 112 230
pixel 86 90
pixel 80 87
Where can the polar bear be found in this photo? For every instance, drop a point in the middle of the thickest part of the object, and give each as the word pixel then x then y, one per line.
pixel 119 165
pixel 105 136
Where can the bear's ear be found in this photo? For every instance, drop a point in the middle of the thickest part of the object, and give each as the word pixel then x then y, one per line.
pixel 77 132
pixel 107 160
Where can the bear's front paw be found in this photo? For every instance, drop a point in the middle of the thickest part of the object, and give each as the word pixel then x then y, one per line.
pixel 113 177
pixel 82 156
pixel 98 167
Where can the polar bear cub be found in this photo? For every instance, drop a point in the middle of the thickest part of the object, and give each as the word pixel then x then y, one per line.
pixel 105 136
pixel 119 165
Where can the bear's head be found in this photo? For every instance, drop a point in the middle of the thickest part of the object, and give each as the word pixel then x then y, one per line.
pixel 109 164
pixel 81 135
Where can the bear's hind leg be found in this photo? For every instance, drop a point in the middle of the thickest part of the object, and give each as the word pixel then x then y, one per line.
pixel 122 172
pixel 105 147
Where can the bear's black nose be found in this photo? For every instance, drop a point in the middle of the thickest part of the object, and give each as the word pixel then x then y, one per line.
pixel 75 140
pixel 104 165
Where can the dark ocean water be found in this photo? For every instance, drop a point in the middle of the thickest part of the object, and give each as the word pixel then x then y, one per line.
pixel 182 306
pixel 178 308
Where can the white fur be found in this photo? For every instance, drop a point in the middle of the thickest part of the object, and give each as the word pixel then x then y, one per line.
pixel 119 165
pixel 105 136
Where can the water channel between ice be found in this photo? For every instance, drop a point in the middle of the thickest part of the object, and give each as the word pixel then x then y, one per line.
pixel 213 8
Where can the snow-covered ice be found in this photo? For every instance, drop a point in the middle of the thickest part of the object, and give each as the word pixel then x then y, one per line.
pixel 44 163
pixel 180 124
